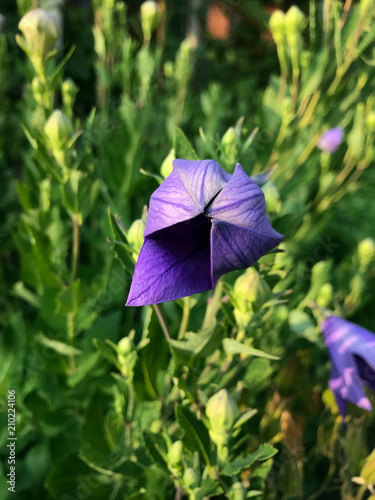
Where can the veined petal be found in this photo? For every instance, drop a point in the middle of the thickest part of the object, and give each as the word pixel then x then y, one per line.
pixel 202 179
pixel 170 204
pixel 235 247
pixel 242 202
pixel 173 263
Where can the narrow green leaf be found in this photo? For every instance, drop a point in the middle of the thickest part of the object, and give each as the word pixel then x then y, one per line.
pixel 196 437
pixel 232 346
pixel 264 452
pixel 183 148
pixel 57 345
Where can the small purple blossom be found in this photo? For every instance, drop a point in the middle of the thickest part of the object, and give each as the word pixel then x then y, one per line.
pixel 352 351
pixel 331 139
pixel 202 223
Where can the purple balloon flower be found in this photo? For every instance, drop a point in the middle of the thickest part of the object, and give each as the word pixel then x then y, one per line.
pixel 352 351
pixel 202 223
pixel 331 139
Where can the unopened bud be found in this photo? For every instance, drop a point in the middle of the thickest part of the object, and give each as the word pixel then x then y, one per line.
pixel 325 294
pixel 366 252
pixel 167 165
pixel 190 479
pixel 149 15
pixel 237 492
pixel 68 93
pixel 294 20
pixel 271 193
pixel 58 130
pixel 229 143
pixel 125 346
pixel 365 6
pixel 221 411
pixel 38 90
pixel 168 69
pixel 370 121
pixel 40 31
pixel 136 236
pixel 251 287
pixel 175 453
pixel 277 25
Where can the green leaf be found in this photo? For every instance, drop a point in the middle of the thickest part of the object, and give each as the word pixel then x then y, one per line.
pixel 68 300
pixel 196 437
pixel 157 448
pixel 107 352
pixel 264 452
pixel 57 346
pixel 121 246
pixel 232 346
pixel 196 344
pixel 182 147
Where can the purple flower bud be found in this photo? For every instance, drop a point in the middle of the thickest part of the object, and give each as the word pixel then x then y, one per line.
pixel 202 223
pixel 352 351
pixel 331 139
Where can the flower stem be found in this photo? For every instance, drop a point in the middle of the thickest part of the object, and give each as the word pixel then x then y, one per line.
pixel 70 335
pixel 75 249
pixel 162 322
pixel 185 318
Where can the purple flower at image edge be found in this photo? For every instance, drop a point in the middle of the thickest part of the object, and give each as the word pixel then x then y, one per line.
pixel 331 140
pixel 202 223
pixel 352 351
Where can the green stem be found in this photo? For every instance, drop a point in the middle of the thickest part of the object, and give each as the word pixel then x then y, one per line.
pixel 162 322
pixel 70 335
pixel 214 306
pixel 75 249
pixel 185 318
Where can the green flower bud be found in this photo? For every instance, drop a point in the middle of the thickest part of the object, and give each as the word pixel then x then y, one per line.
pixel 175 453
pixel 40 31
pixel 365 6
pixel 125 346
pixel 294 20
pixel 190 479
pixel 277 25
pixel 221 411
pixel 58 130
pixel 306 57
pixel 325 294
pixel 69 92
pixel 229 143
pixel 135 236
pixel 271 193
pixel 366 252
pixel 167 165
pixel 370 120
pixel 168 69
pixel 250 287
pixel 237 492
pixel 38 90
pixel 149 16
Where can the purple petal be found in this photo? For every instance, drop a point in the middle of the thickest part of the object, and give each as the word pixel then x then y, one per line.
pixel 366 372
pixel 234 247
pixel 173 263
pixel 184 193
pixel 170 204
pixel 334 383
pixel 202 179
pixel 242 202
pixel 352 351
pixel 331 140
